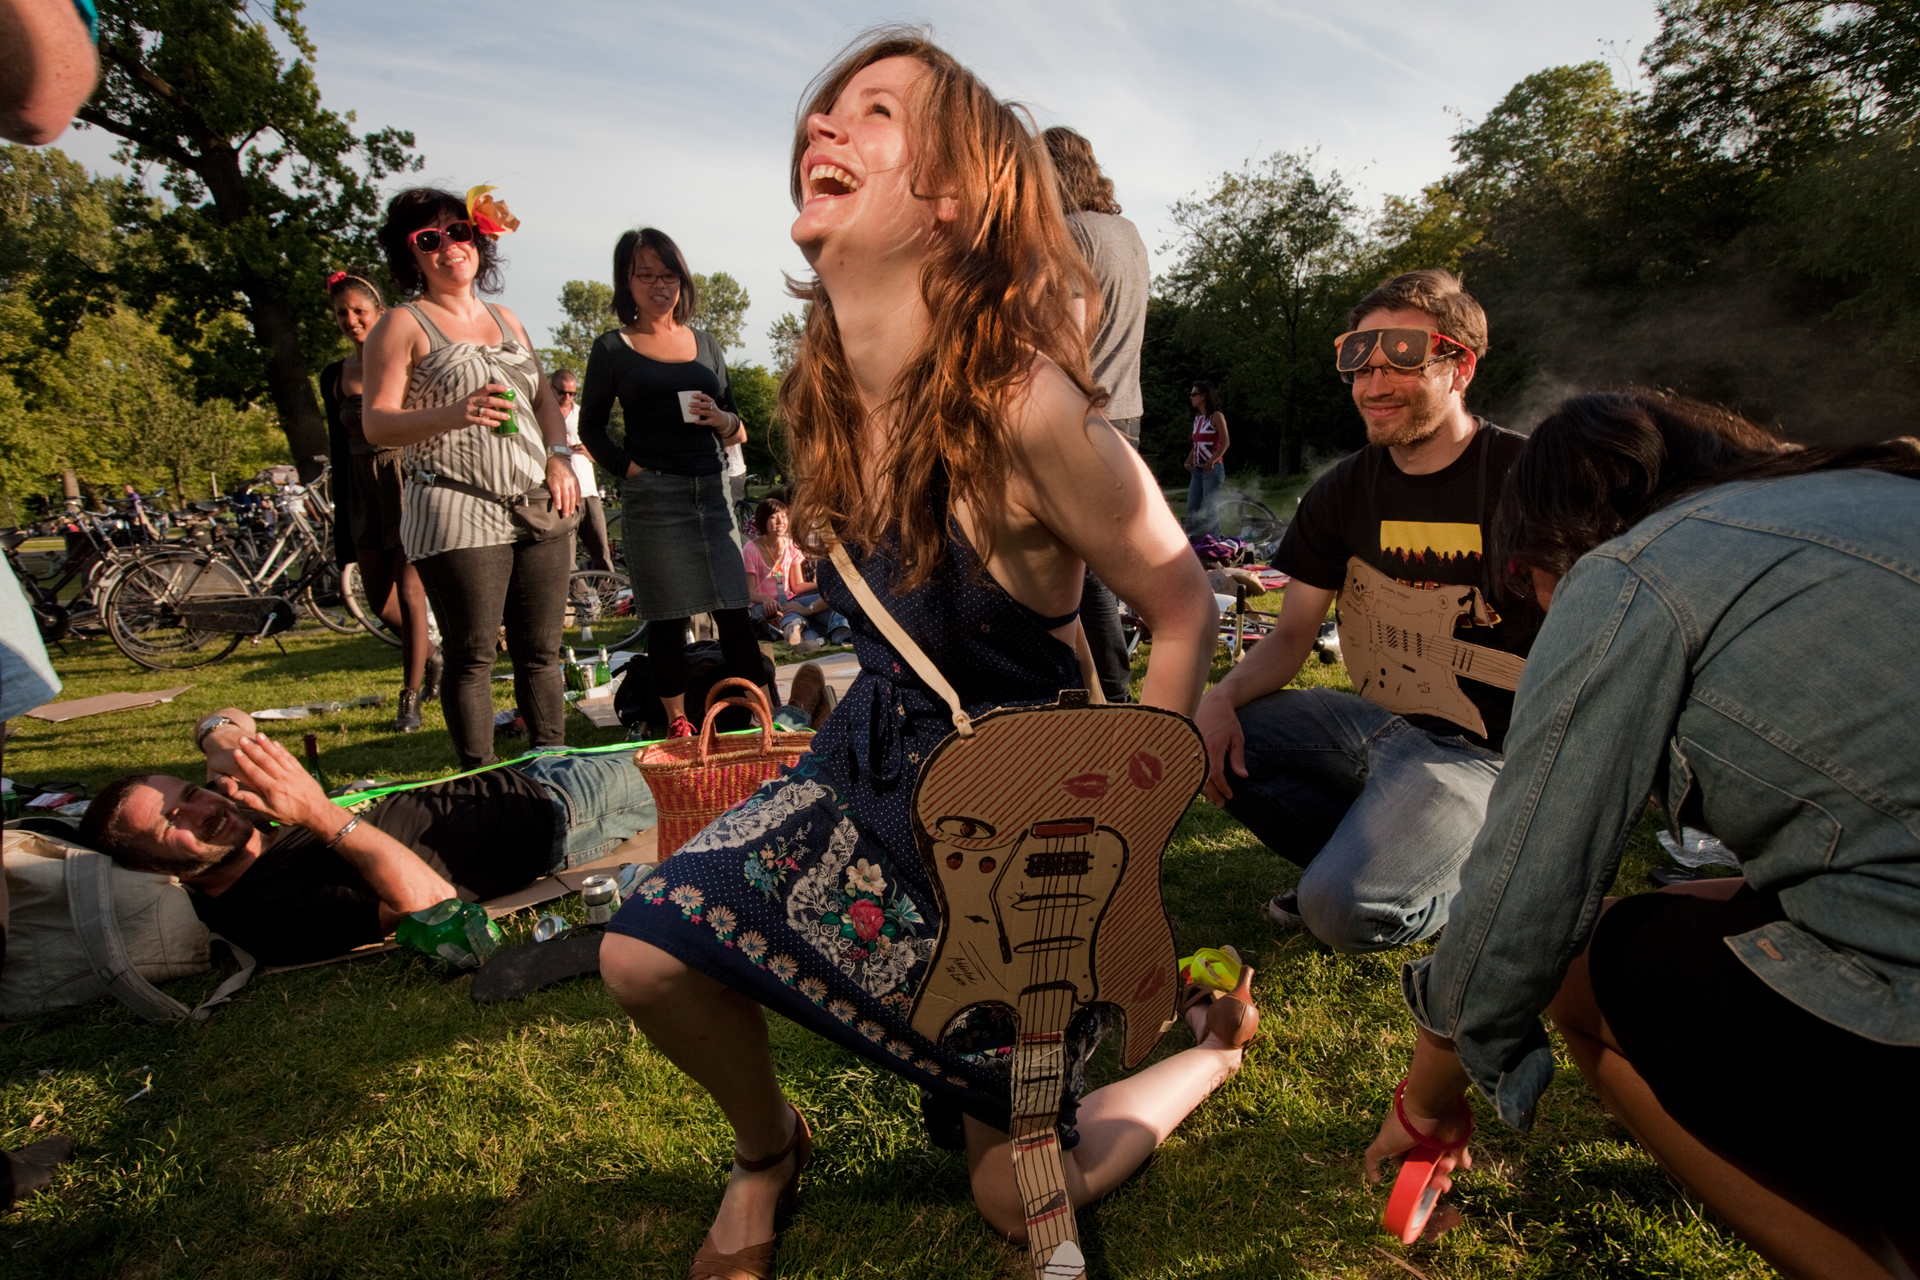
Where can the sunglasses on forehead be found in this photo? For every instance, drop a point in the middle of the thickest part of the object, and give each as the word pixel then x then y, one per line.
pixel 1406 350
pixel 429 239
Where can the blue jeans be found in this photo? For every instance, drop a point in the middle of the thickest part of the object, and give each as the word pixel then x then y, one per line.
pixel 1380 813
pixel 598 802
pixel 824 623
pixel 1203 509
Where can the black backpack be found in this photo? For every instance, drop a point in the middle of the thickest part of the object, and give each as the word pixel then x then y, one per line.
pixel 637 704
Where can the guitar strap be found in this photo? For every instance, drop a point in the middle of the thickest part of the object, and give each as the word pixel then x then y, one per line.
pixel 923 665
pixel 1479 514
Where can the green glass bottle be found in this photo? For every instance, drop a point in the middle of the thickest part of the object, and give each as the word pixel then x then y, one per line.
pixel 510 427
pixel 460 933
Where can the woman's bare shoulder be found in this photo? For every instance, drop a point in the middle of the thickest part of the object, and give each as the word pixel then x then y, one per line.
pixel 1045 403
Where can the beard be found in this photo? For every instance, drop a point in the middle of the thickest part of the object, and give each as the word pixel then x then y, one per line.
pixel 1423 420
pixel 212 855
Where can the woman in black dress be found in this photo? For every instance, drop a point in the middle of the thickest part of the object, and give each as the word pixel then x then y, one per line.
pixel 946 431
pixel 676 521
pixel 366 502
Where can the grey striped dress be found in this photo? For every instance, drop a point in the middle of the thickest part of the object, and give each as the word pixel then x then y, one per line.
pixel 434 519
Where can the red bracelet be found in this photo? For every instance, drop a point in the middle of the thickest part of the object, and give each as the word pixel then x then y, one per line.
pixel 1428 1140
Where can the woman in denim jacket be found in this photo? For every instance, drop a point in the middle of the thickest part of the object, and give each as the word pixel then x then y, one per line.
pixel 1737 639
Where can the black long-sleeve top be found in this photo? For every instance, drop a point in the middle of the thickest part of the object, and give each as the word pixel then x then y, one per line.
pixel 649 394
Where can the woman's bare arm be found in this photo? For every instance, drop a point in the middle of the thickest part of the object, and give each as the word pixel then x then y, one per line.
pixel 1081 493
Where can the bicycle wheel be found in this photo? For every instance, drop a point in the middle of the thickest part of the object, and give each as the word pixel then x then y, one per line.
pixel 1253 523
pixel 600 612
pixel 353 591
pixel 325 601
pixel 143 618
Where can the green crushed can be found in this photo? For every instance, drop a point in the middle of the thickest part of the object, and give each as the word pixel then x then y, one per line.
pixel 510 427
pixel 457 932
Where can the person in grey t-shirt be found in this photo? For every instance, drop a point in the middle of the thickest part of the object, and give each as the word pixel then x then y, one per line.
pixel 1113 248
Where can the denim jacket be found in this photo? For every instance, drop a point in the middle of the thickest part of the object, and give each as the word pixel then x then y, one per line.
pixel 1749 653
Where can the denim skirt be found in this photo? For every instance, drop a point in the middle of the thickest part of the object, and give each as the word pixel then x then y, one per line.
pixel 682 551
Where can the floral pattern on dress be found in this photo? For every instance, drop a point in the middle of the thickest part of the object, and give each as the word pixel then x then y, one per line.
pixel 850 913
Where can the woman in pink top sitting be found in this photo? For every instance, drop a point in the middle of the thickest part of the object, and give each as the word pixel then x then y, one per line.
pixel 782 591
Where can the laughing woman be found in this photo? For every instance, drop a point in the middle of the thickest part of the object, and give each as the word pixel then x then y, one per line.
pixel 946 432
pixel 436 368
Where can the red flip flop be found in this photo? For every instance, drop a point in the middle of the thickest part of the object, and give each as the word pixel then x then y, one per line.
pixel 1412 1200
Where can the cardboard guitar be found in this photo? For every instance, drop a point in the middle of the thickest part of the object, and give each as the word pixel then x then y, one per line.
pixel 1400 652
pixel 1043 833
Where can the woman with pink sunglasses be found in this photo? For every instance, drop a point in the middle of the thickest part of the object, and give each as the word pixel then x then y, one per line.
pixel 490 493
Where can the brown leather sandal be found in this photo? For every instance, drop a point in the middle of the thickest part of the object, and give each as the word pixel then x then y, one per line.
pixel 1233 1018
pixel 756 1261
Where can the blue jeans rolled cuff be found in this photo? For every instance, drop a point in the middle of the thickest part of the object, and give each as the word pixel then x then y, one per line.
pixel 599 802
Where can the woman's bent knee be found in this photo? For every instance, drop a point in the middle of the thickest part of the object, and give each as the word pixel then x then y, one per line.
pixel 638 974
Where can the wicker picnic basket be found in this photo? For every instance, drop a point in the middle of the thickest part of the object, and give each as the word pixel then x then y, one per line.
pixel 695 780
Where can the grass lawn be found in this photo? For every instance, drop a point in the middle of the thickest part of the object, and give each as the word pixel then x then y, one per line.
pixel 369 1120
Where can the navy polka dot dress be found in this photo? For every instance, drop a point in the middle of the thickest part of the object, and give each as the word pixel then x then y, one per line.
pixel 811 897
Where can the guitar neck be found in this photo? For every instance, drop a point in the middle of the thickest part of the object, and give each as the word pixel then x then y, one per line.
pixel 1474 661
pixel 1038 1081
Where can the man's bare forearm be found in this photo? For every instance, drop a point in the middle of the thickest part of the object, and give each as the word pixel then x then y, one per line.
pixel 1272 664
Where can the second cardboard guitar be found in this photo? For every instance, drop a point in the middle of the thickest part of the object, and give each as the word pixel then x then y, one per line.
pixel 1400 652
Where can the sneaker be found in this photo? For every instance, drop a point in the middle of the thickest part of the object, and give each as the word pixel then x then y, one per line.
pixel 810 643
pixel 681 728
pixel 793 634
pixel 1284 910
pixel 841 635
pixel 407 719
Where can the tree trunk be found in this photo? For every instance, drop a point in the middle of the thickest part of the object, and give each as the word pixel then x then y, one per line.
pixel 274 325
pixel 287 381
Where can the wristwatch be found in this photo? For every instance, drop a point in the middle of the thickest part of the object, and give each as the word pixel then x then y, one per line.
pixel 559 451
pixel 207 726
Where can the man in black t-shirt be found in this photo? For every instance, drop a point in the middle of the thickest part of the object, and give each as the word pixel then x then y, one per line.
pixel 1380 809
pixel 324 881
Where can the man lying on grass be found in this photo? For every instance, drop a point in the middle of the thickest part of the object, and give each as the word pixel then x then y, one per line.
pixel 322 882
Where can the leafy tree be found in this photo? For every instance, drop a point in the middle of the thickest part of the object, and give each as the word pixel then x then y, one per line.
pixel 1551 130
pixel 1265 276
pixel 756 393
pixel 118 407
pixel 1771 80
pixel 588 305
pixel 723 307
pixel 785 334
pixel 271 191
pixel 58 248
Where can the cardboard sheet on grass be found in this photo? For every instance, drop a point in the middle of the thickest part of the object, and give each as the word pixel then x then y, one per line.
pixel 101 704
pixel 546 889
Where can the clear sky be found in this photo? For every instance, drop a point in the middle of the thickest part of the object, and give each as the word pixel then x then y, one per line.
pixel 596 115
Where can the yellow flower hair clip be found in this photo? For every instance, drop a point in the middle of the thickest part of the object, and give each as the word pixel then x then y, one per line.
pixel 490 217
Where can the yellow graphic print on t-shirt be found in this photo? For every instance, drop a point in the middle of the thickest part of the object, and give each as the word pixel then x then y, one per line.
pixel 1415 539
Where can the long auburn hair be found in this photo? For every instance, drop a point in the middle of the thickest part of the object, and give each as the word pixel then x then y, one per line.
pixel 998 284
pixel 1602 462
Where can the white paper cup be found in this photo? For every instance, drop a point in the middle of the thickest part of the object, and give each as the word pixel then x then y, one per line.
pixel 686 406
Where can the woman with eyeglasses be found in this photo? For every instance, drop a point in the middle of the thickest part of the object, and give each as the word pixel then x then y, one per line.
pixel 491 497
pixel 367 500
pixel 676 523
pixel 1206 459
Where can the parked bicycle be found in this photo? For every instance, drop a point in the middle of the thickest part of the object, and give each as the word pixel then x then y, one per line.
pixel 188 604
